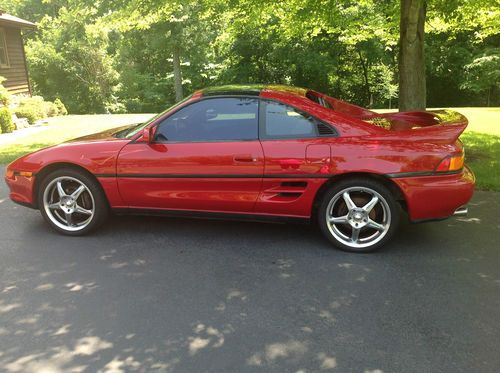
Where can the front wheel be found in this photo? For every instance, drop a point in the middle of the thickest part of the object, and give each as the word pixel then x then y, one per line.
pixel 358 215
pixel 72 202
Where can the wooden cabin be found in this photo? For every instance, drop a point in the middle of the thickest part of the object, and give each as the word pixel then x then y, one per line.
pixel 13 65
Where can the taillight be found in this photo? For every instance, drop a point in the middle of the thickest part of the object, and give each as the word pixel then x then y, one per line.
pixel 451 163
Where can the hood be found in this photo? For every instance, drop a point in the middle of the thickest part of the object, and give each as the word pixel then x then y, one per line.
pixel 109 134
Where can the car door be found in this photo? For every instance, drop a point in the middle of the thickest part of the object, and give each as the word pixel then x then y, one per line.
pixel 205 157
pixel 297 159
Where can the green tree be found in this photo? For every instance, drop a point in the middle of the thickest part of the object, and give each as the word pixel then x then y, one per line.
pixel 483 73
pixel 142 55
pixel 184 29
pixel 68 59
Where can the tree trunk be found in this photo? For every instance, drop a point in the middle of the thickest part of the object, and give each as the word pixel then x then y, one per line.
pixel 177 73
pixel 365 77
pixel 412 90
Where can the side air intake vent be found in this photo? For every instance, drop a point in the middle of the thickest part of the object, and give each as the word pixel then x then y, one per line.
pixel 299 184
pixel 325 130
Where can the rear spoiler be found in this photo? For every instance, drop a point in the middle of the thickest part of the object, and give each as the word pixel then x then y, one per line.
pixel 443 126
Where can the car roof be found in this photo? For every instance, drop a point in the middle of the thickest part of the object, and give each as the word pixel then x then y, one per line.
pixel 251 90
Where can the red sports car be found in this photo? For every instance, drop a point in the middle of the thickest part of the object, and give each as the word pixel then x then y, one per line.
pixel 258 152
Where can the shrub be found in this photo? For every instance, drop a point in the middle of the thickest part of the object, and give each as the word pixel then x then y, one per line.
pixel 6 123
pixel 32 108
pixel 50 109
pixel 35 108
pixel 34 100
pixel 31 112
pixel 61 109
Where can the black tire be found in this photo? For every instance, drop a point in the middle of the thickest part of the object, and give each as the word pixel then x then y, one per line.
pixel 385 215
pixel 93 196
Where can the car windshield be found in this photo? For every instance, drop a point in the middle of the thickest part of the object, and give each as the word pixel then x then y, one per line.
pixel 136 128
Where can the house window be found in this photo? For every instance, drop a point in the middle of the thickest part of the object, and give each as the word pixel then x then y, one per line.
pixel 4 58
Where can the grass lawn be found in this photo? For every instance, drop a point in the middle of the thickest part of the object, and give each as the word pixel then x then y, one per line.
pixel 481 139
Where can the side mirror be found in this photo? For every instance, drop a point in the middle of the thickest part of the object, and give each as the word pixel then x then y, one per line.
pixel 148 134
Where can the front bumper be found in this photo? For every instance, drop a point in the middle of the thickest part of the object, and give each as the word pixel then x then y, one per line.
pixel 21 190
pixel 438 196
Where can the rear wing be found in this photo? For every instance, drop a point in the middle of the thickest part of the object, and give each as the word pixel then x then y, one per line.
pixel 428 126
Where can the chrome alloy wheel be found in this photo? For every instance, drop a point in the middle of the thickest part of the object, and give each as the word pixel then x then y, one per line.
pixel 68 203
pixel 358 217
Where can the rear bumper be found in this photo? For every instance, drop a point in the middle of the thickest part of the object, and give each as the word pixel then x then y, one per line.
pixel 438 196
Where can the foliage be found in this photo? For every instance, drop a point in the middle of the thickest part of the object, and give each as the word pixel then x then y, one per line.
pixel 50 109
pixel 111 56
pixel 30 112
pixel 483 73
pixel 6 123
pixel 61 109
pixel 147 49
pixel 36 108
pixel 69 59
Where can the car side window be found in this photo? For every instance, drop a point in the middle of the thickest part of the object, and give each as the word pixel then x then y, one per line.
pixel 213 119
pixel 283 121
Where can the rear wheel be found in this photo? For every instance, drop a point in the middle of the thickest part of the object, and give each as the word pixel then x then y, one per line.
pixel 358 215
pixel 72 202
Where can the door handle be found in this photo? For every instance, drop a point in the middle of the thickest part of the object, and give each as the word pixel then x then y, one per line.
pixel 291 163
pixel 244 158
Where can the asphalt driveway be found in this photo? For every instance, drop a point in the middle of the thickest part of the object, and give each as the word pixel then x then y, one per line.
pixel 158 294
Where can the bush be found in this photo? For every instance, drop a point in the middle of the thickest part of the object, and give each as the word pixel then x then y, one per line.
pixel 33 100
pixel 32 108
pixel 61 109
pixel 6 123
pixel 31 112
pixel 35 108
pixel 50 109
